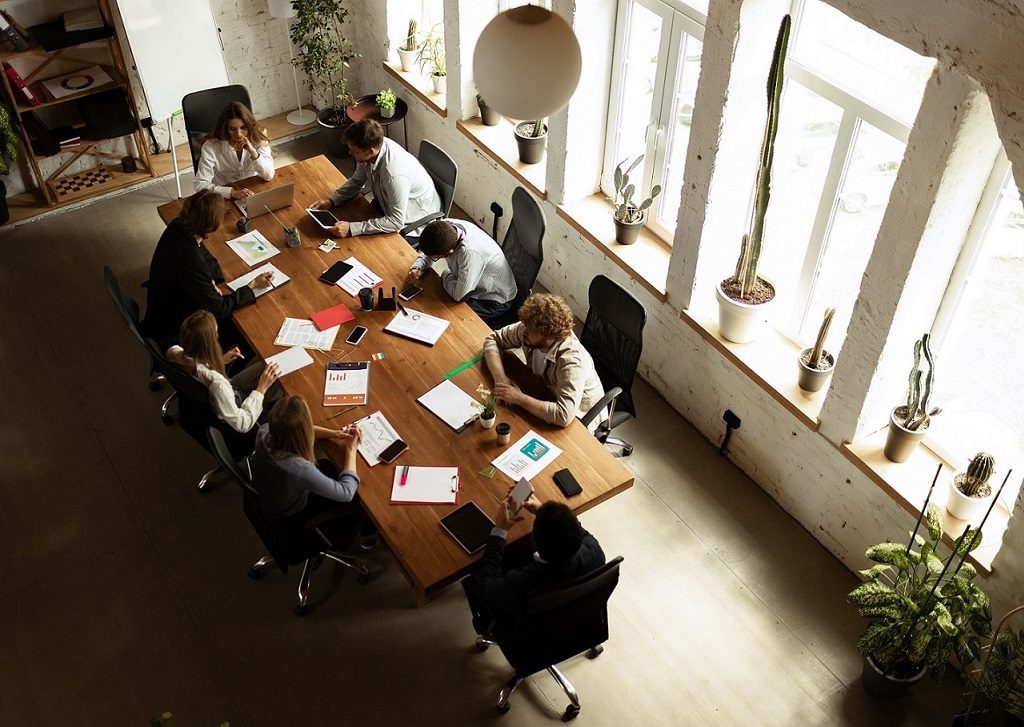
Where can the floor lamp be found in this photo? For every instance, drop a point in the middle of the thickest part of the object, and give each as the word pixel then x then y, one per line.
pixel 283 9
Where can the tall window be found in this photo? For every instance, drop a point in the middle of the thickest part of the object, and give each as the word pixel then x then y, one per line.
pixel 653 88
pixel 979 335
pixel 849 98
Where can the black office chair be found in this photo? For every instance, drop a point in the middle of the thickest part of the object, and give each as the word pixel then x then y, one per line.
pixel 445 172
pixel 129 310
pixel 524 249
pixel 557 624
pixel 613 335
pixel 201 109
pixel 287 546
pixel 195 413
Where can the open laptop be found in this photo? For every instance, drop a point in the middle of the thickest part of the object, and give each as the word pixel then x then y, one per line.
pixel 269 200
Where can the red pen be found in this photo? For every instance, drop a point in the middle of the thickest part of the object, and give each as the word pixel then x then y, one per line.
pixel 405 476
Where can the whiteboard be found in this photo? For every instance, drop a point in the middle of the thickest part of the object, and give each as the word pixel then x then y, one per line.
pixel 176 46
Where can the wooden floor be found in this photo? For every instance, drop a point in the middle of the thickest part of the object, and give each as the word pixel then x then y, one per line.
pixel 125 591
pixel 31 204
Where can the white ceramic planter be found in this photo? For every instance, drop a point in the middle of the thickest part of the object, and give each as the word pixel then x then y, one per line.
pixel 488 423
pixel 387 113
pixel 969 509
pixel 440 83
pixel 407 59
pixel 740 322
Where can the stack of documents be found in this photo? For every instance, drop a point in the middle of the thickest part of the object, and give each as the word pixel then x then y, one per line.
pixel 279 279
pixel 527 457
pixel 425 486
pixel 418 326
pixel 290 360
pixel 358 277
pixel 452 405
pixel 299 332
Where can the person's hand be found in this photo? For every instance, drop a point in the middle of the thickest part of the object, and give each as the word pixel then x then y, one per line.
pixel 232 355
pixel 508 393
pixel 349 435
pixel 341 229
pixel 532 504
pixel 268 377
pixel 241 193
pixel 263 280
pixel 506 516
pixel 247 146
pixel 413 276
pixel 321 204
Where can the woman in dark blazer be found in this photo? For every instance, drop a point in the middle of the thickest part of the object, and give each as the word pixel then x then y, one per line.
pixel 183 275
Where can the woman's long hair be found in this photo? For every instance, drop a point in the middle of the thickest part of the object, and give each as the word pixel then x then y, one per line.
pixel 236 110
pixel 198 337
pixel 291 429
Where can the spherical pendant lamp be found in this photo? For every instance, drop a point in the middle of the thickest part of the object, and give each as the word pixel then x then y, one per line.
pixel 527 62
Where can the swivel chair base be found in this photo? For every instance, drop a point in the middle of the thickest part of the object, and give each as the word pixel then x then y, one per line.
pixel 206 483
pixel 165 415
pixel 260 568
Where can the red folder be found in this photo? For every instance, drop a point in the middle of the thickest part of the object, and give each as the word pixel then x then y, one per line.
pixel 333 316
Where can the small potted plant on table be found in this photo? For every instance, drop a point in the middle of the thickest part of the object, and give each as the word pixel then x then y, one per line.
pixel 969 491
pixel 629 216
pixel 531 137
pixel 488 405
pixel 816 363
pixel 407 51
pixel 907 423
pixel 386 101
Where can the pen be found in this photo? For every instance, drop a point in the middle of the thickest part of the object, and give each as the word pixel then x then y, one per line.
pixel 402 308
pixel 350 408
pixel 405 476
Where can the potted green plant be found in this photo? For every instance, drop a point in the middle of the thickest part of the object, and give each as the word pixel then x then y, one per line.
pixel 407 51
pixel 488 407
pixel 628 215
pixel 8 155
pixel 386 101
pixel 816 363
pixel 531 138
pixel 742 296
pixel 323 54
pixel 969 491
pixel 922 608
pixel 431 57
pixel 994 694
pixel 908 422
pixel 488 114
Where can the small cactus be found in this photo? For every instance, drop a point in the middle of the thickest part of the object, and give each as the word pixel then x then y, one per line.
pixel 410 36
pixel 819 344
pixel 978 471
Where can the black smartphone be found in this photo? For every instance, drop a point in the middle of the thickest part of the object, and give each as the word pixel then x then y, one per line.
pixel 392 451
pixel 356 335
pixel 411 292
pixel 567 483
pixel 335 273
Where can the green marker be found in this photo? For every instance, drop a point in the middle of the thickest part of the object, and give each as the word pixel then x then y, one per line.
pixel 462 367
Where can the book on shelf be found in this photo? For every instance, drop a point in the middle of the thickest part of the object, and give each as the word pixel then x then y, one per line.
pixel 40 137
pixel 11 34
pixel 69 84
pixel 19 83
pixel 82 19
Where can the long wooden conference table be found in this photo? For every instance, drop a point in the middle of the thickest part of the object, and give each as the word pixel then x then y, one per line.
pixel 430 558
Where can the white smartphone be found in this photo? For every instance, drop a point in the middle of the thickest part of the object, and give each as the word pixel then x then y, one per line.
pixel 356 335
pixel 324 218
pixel 521 493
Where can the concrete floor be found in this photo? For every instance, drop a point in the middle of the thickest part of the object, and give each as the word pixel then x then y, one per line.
pixel 125 591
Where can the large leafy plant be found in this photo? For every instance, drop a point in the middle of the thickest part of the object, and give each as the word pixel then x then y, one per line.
pixel 8 140
pixel 922 607
pixel 324 51
pixel 995 691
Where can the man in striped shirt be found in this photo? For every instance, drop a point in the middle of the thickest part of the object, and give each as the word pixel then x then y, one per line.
pixel 477 270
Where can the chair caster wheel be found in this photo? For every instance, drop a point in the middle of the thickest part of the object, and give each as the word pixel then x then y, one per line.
pixel 362 578
pixel 301 610
pixel 595 652
pixel 626 451
pixel 503 708
pixel 155 385
pixel 256 573
pixel 481 644
pixel 570 713
pixel 167 419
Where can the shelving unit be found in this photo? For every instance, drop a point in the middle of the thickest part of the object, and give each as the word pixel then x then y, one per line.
pixel 60 186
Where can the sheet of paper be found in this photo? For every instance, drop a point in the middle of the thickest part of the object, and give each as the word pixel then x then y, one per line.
pixel 425 486
pixel 358 277
pixel 452 405
pixel 418 326
pixel 377 435
pixel 253 247
pixel 299 332
pixel 347 383
pixel 527 457
pixel 279 279
pixel 291 359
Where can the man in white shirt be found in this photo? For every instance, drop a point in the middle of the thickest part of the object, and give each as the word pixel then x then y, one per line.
pixel 477 273
pixel 402 189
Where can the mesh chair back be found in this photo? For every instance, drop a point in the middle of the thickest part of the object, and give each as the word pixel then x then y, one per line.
pixel 201 109
pixel 523 243
pixel 562 621
pixel 442 169
pixel 613 335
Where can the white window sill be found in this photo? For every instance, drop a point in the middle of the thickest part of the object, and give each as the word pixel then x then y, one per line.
pixel 499 143
pixel 421 88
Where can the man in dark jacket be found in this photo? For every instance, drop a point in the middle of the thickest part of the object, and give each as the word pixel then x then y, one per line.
pixel 497 590
pixel 183 275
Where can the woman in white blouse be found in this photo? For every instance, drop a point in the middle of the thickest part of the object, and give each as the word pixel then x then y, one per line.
pixel 238 401
pixel 237 148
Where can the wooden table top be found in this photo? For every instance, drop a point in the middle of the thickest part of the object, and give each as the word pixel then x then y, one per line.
pixel 429 557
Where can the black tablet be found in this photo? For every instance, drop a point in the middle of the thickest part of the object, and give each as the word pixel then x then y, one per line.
pixel 469 526
pixel 335 273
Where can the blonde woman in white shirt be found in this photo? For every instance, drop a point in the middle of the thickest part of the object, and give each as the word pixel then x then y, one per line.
pixel 239 401
pixel 238 148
